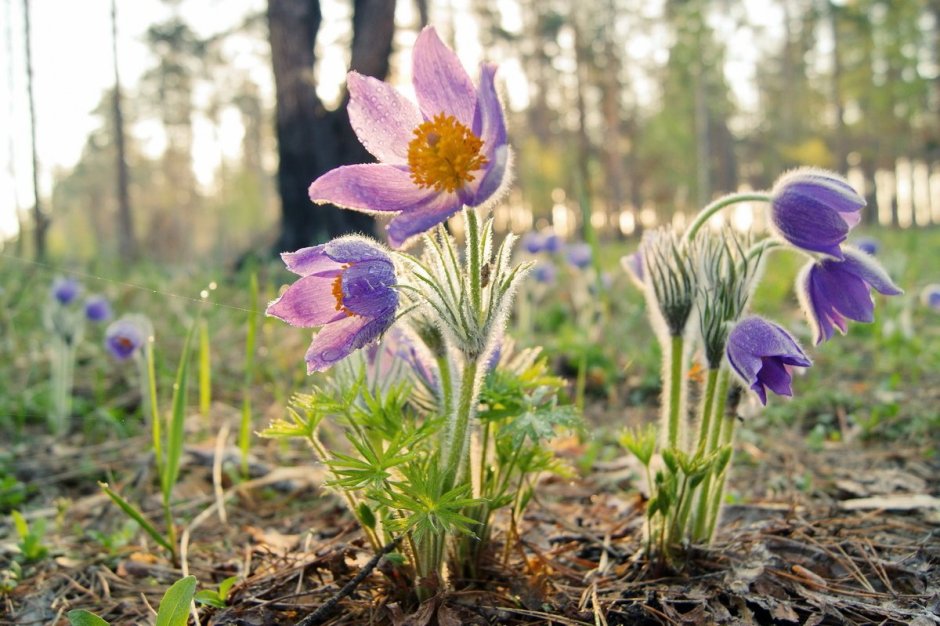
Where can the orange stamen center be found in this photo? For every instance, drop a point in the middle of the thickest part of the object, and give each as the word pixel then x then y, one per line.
pixel 338 294
pixel 443 153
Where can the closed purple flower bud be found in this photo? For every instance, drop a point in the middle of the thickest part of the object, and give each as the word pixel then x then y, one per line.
pixel 533 243
pixel 65 290
pixel 868 245
pixel 127 335
pixel 762 354
pixel 930 296
pixel 814 210
pixel 544 273
pixel 579 254
pixel 832 291
pixel 347 286
pixel 633 265
pixel 97 309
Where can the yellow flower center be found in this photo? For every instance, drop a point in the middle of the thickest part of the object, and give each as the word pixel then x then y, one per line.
pixel 443 153
pixel 338 294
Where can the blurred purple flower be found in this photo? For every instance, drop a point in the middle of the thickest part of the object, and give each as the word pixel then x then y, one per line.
pixel 931 296
pixel 814 210
pixel 579 254
pixel 633 265
pixel 762 353
pixel 126 335
pixel 552 243
pixel 347 286
pixel 831 291
pixel 544 273
pixel 449 151
pixel 97 309
pixel 533 242
pixel 868 245
pixel 65 289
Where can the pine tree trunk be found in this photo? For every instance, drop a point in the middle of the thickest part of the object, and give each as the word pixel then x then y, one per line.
pixel 41 221
pixel 127 245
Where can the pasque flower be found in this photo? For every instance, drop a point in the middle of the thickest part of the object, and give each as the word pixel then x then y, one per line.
pixel 762 353
pixel 97 309
pixel 930 296
pixel 832 291
pixel 65 290
pixel 448 151
pixel 579 254
pixel 125 336
pixel 814 210
pixel 347 286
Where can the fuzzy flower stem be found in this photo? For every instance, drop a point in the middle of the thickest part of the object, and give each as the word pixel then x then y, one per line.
pixel 708 399
pixel 675 390
pixel 727 436
pixel 456 441
pixel 473 244
pixel 759 248
pixel 717 414
pixel 718 205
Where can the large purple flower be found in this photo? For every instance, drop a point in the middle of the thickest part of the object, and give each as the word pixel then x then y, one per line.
pixel 831 291
pixel 762 353
pixel 448 151
pixel 347 286
pixel 814 210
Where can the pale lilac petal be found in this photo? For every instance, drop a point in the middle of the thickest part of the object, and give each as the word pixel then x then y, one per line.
pixel 339 339
pixel 308 302
pixel 412 223
pixel 311 261
pixel 372 188
pixel 383 119
pixel 368 288
pixel 353 249
pixel 489 124
pixel 441 83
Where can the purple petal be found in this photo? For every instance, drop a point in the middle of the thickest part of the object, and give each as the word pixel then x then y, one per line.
pixel 633 264
pixel 441 83
pixel 869 270
pixel 368 288
pixel 308 302
pixel 758 350
pixel 412 223
pixel 339 339
pixel 311 262
pixel 808 223
pixel 353 249
pixel 371 188
pixel 489 124
pixel 846 293
pixel 383 119
pixel 775 376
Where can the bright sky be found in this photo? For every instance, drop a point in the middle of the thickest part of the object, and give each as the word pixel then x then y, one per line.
pixel 72 65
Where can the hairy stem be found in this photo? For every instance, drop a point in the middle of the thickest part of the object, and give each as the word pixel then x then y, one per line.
pixel 718 205
pixel 676 385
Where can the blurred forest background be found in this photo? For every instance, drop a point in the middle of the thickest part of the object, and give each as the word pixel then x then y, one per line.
pixel 623 114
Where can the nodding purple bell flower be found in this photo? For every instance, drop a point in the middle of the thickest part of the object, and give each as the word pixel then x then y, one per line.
pixel 552 243
pixel 533 242
pixel 65 289
pixel 579 254
pixel 814 210
pixel 633 266
pixel 930 296
pixel 832 291
pixel 127 335
pixel 448 151
pixel 544 273
pixel 868 245
pixel 763 354
pixel 347 286
pixel 97 309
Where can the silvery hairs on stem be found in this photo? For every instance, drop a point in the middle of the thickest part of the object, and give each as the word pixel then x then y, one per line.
pixel 726 277
pixel 671 276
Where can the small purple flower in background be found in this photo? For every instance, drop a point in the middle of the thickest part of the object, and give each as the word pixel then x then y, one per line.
pixel 65 290
pixel 449 151
pixel 762 354
pixel 832 291
pixel 814 210
pixel 544 273
pixel 533 242
pixel 633 266
pixel 579 254
pixel 552 243
pixel 127 335
pixel 97 309
pixel 930 296
pixel 347 286
pixel 868 245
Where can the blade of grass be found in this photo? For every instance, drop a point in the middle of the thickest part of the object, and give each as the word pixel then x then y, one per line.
pixel 175 432
pixel 205 369
pixel 244 431
pixel 137 516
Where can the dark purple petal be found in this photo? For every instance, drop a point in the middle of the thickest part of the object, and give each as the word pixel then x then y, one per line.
pixel 759 352
pixel 441 83
pixel 552 243
pixel 368 288
pixel 544 273
pixel 410 224
pixel 869 270
pixel 97 309
pixel 845 292
pixel 310 301
pixel 125 336
pixel 383 119
pixel 371 188
pixel 339 339
pixel 353 249
pixel 65 290
pixel 774 375
pixel 930 296
pixel 868 245
pixel 533 242
pixel 311 262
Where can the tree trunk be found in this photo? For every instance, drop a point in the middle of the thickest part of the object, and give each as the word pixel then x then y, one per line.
pixel 312 140
pixel 127 245
pixel 41 221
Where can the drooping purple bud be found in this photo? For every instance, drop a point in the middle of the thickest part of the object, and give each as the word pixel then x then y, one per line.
pixel 65 289
pixel 762 354
pixel 832 291
pixel 127 335
pixel 97 309
pixel 814 210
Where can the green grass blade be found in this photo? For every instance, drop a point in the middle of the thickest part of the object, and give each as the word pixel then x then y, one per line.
pixel 205 369
pixel 174 607
pixel 155 417
pixel 81 617
pixel 175 431
pixel 137 516
pixel 244 431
